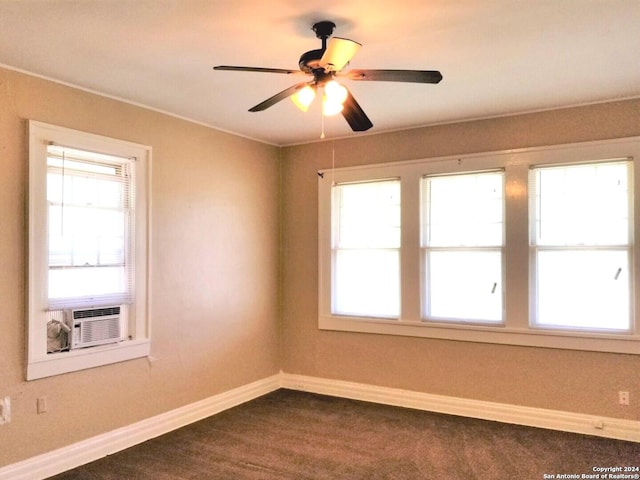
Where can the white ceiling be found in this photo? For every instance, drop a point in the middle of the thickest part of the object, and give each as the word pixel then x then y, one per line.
pixel 497 57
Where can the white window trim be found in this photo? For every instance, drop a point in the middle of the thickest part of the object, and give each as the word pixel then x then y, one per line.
pixel 39 363
pixel 516 330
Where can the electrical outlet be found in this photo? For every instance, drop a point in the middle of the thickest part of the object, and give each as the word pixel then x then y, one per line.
pixel 5 410
pixel 623 398
pixel 41 405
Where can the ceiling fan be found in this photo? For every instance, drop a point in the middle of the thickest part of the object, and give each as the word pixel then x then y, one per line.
pixel 325 65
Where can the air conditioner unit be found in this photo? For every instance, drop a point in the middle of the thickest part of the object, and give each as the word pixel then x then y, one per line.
pixel 95 326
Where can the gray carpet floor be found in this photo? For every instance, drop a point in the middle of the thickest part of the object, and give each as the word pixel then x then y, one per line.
pixel 297 435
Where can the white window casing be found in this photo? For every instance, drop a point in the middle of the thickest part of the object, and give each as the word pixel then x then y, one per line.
pixel 89 238
pixel 520 324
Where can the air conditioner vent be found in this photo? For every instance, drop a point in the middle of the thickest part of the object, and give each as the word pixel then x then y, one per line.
pixel 96 312
pixel 100 330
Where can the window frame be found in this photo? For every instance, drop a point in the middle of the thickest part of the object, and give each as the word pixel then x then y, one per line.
pixel 136 343
pixel 538 247
pixel 336 247
pixel 517 329
pixel 427 248
pixel 67 186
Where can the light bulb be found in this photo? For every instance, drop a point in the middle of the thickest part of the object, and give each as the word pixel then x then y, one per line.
pixel 303 97
pixel 335 92
pixel 330 107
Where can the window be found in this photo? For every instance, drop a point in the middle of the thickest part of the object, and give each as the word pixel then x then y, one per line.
pixel 527 247
pixel 366 249
pixel 581 246
pixel 88 245
pixel 91 199
pixel 462 235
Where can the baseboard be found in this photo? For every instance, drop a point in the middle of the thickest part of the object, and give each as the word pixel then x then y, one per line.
pixel 71 456
pixel 613 428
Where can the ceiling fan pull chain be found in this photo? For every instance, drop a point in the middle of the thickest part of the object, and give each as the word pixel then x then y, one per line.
pixel 333 162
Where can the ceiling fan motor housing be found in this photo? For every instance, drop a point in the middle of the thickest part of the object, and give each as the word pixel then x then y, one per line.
pixel 309 61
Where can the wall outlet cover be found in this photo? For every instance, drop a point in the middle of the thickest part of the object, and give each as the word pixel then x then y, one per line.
pixel 5 410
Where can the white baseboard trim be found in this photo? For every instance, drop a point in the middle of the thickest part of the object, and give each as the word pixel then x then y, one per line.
pixel 613 428
pixel 80 453
pixel 71 456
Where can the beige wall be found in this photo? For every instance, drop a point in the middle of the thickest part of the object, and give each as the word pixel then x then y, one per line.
pixel 214 282
pixel 216 233
pixel 573 381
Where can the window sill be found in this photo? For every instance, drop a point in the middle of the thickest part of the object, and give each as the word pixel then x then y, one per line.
pixel 613 343
pixel 80 359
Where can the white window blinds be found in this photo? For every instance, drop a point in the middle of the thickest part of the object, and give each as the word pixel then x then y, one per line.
pixel 90 228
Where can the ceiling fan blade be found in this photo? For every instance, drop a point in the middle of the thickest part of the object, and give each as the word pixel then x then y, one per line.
pixel 338 53
pixel 255 69
pixel 413 76
pixel 278 97
pixel 354 115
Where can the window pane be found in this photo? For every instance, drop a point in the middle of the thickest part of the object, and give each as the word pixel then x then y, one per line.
pixel 85 191
pixel 366 249
pixel 86 236
pixel 368 215
pixel 583 289
pixel 582 205
pixel 86 282
pixel 110 194
pixel 463 210
pixel 367 283
pixel 465 285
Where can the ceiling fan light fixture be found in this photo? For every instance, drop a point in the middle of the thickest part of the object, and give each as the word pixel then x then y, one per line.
pixel 303 97
pixel 323 65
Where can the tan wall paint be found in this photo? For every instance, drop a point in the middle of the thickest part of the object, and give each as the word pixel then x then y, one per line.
pixel 215 266
pixel 215 236
pixel 566 380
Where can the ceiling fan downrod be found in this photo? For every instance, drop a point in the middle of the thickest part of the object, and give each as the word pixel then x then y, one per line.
pixel 309 60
